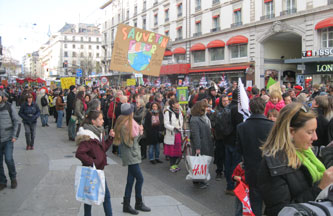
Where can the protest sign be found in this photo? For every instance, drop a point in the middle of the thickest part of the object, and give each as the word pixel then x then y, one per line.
pixel 138 50
pixel 182 95
pixel 66 82
pixel 130 82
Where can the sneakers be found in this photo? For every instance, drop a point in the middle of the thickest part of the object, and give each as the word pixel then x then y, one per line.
pixel 13 184
pixel 203 185
pixel 229 192
pixel 2 186
pixel 218 177
pixel 174 168
pixel 158 161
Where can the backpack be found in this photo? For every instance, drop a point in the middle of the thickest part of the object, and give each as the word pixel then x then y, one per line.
pixel 9 109
pixel 223 124
pixel 44 101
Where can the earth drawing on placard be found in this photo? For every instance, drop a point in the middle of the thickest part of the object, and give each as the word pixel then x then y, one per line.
pixel 139 59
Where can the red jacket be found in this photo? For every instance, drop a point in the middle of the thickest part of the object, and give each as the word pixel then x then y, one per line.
pixel 270 106
pixel 91 149
pixel 111 111
pixel 239 171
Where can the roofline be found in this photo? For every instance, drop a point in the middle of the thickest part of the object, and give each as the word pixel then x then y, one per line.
pixel 106 4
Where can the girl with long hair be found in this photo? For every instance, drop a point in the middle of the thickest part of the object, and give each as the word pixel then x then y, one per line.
pixel 127 132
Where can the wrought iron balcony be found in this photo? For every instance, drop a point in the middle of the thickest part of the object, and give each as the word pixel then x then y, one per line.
pixel 236 24
pixel 215 29
pixel 289 11
pixel 268 16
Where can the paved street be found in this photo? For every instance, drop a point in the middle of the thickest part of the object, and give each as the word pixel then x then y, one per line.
pixel 46 183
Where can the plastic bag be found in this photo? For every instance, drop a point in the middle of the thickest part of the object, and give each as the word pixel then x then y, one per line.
pixel 198 167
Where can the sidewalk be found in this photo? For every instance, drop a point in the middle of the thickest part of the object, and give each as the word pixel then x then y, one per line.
pixel 46 182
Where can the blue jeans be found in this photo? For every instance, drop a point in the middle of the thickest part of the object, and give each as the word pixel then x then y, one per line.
pixel 30 133
pixel 59 119
pixel 44 119
pixel 106 204
pixel 256 201
pixel 134 172
pixel 6 148
pixel 156 148
pixel 238 207
pixel 232 159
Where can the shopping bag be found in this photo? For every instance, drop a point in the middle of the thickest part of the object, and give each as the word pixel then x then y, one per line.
pixel 198 167
pixel 242 193
pixel 89 185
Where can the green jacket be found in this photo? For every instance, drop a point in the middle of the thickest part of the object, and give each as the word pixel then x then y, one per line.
pixel 130 155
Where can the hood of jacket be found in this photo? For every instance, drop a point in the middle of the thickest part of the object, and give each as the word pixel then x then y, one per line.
pixel 85 135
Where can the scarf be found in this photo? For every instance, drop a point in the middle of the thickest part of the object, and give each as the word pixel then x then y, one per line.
pixel 85 107
pixel 98 131
pixel 176 111
pixel 315 167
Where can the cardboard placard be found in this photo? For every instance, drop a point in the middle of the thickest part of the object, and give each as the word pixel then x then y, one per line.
pixel 182 95
pixel 138 50
pixel 66 82
pixel 130 82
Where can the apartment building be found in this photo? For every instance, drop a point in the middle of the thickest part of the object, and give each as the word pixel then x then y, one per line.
pixel 252 39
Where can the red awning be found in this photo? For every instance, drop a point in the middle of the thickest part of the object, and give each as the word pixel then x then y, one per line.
pixel 238 9
pixel 166 31
pixel 325 23
pixel 216 44
pixel 179 27
pixel 198 21
pixel 240 39
pixel 198 47
pixel 168 53
pixel 166 9
pixel 266 1
pixel 180 3
pixel 235 68
pixel 216 16
pixel 179 50
pixel 174 69
pixel 39 80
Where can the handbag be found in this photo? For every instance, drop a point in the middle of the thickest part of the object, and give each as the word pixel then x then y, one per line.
pixel 198 167
pixel 89 185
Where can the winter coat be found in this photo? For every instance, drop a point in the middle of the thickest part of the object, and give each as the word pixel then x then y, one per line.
pixel 327 156
pixel 280 185
pixel 201 136
pixel 9 124
pixel 169 137
pixel 153 133
pixel 79 110
pixel 60 105
pixel 130 155
pixel 251 135
pixel 330 130
pixel 29 114
pixel 322 129
pixel 236 118
pixel 44 110
pixel 71 100
pixel 270 106
pixel 139 114
pixel 91 148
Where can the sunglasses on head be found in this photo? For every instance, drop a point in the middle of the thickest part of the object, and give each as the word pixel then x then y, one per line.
pixel 303 109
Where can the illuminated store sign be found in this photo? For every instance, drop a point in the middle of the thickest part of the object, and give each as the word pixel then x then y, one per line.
pixel 325 68
pixel 321 52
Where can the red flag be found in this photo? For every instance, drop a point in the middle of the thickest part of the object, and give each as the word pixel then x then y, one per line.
pixel 242 193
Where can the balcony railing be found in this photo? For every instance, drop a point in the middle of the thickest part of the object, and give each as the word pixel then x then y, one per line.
pixel 166 19
pixel 197 34
pixel 179 38
pixel 179 15
pixel 216 2
pixel 268 16
pixel 155 3
pixel 236 24
pixel 215 29
pixel 289 11
pixel 197 8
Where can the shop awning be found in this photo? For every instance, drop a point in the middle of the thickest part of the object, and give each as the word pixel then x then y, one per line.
pixel 174 69
pixel 168 53
pixel 267 1
pixel 215 69
pixel 325 23
pixel 198 47
pixel 179 50
pixel 216 44
pixel 239 39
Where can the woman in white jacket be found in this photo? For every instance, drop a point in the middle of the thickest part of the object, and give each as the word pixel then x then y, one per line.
pixel 173 122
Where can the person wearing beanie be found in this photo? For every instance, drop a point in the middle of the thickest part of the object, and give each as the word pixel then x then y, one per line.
pixel 127 133
pixel 70 103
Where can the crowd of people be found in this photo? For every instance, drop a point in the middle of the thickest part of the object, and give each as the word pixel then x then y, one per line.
pixel 279 151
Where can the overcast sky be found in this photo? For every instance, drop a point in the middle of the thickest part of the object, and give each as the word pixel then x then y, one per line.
pixel 24 24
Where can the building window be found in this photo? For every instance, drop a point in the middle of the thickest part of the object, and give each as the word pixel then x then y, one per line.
pixel 82 47
pixel 269 8
pixel 73 46
pixel 135 23
pixel 166 32
pixel 291 4
pixel 97 39
pixel 135 10
pixel 65 38
pixel 89 39
pixel 74 63
pixel 119 18
pixel 97 47
pixel 179 32
pixel 197 5
pixel 216 21
pixel 73 38
pixel 112 35
pixel 327 37
pixel 97 55
pixel 74 54
pixel 238 51
pixel 81 38
pixel 65 45
pixel 237 17
pixel 112 21
pixel 198 26
pixel 199 56
pixel 179 9
pixel 216 54
pixel 90 54
pixel 82 55
pixel 144 7
pixel 179 58
pixel 156 19
pixel 127 14
pixel 65 54
pixel 144 21
pixel 89 46
pixel 166 15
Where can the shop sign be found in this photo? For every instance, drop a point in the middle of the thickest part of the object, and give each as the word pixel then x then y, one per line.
pixel 325 68
pixel 321 52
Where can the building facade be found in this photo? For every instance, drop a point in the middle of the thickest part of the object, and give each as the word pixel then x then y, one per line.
pixel 73 47
pixel 252 39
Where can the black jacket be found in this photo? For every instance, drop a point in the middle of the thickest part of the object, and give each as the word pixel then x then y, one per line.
pixel 236 118
pixel 250 137
pixel 153 133
pixel 280 185
pixel 29 114
pixel 70 100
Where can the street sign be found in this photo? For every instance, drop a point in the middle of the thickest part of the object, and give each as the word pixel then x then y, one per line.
pixel 104 80
pixel 301 67
pixel 137 75
pixel 78 72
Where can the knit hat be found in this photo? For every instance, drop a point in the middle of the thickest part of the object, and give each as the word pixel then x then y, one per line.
pixel 126 109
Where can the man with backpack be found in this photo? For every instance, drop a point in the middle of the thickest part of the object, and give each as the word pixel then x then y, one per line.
pixel 43 104
pixel 221 124
pixel 9 128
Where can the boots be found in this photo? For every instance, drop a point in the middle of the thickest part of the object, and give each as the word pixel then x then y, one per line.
pixel 139 205
pixel 128 208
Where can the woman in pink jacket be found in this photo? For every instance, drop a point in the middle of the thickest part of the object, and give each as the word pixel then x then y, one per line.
pixel 275 102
